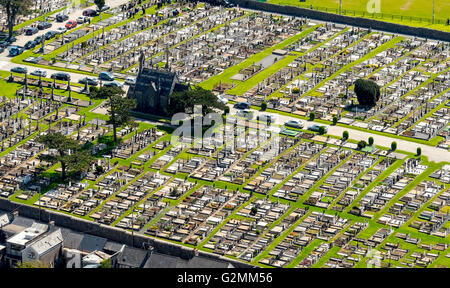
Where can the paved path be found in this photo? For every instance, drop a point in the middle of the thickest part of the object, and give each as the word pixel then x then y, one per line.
pixel 433 153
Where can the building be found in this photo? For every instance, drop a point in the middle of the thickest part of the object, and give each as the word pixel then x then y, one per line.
pixel 46 250
pixel 153 88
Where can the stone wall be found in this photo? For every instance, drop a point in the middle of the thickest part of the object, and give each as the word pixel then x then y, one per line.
pixel 347 20
pixel 108 232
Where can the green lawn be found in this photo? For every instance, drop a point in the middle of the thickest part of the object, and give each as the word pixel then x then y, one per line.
pixel 406 12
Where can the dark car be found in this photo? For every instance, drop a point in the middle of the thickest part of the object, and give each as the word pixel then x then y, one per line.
pixel 60 76
pixel 4 44
pixel 61 17
pixel 242 105
pixel 104 8
pixel 11 39
pixel 31 31
pixel 49 35
pixel 106 76
pixel 30 44
pixel 44 25
pixel 19 70
pixel 38 39
pixel 15 50
pixel 90 13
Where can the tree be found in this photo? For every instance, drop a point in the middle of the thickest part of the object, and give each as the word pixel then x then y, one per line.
pixel 263 106
pixel 105 264
pixel 253 211
pixel 371 141
pixel 362 144
pixel 185 101
pixel 335 120
pixel 68 152
pixel 345 135
pixel 367 92
pixel 419 151
pixel 14 8
pixel 322 130
pixel 100 4
pixel 394 146
pixel 312 116
pixel 119 108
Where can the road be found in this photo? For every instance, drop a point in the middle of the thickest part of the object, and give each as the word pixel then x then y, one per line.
pixel 433 153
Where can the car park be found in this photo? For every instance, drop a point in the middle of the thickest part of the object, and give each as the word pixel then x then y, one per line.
pixel 31 31
pixel 18 69
pixel 90 81
pixel 60 76
pixel 295 124
pixel 106 76
pixel 61 17
pixel 44 25
pixel 71 24
pixel 242 105
pixel 41 73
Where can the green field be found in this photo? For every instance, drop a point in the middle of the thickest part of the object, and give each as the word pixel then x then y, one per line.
pixel 408 12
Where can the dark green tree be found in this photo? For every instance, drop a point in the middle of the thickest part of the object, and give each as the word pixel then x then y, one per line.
pixel 367 92
pixel 186 100
pixel 100 4
pixel 263 106
pixel 345 135
pixel 394 146
pixel 371 141
pixel 312 116
pixel 335 120
pixel 322 130
pixel 76 160
pixel 14 8
pixel 419 151
pixel 119 108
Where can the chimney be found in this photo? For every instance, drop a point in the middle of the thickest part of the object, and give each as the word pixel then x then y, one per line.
pixel 15 213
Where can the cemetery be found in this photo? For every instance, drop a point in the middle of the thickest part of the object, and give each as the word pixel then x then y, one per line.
pixel 297 198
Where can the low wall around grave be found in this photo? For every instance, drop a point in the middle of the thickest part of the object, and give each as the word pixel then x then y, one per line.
pixel 111 233
pixel 347 20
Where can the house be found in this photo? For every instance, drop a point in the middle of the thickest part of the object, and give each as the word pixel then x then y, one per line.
pixel 46 250
pixel 132 258
pixel 17 243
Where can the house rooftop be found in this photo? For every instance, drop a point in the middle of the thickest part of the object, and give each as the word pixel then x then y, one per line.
pixel 28 234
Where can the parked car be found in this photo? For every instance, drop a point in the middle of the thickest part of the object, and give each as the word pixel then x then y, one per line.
pixel 60 76
pixel 130 81
pixel 49 35
pixel 104 8
pixel 248 114
pixel 41 73
pixel 316 128
pixel 11 39
pixel 61 30
pixel 295 124
pixel 82 19
pixel 61 17
pixel 15 50
pixel 44 25
pixel 31 31
pixel 222 99
pixel 71 24
pixel 4 44
pixel 266 118
pixel 18 69
pixel 38 39
pixel 90 13
pixel 90 81
pixel 30 44
pixel 106 76
pixel 242 105
pixel 113 84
